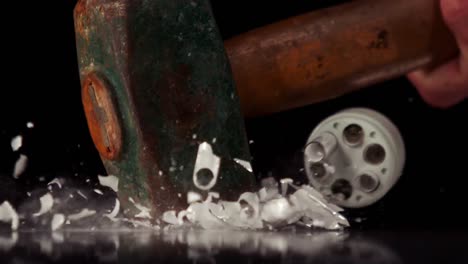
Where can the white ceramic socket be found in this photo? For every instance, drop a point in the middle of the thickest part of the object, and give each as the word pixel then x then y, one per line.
pixel 354 157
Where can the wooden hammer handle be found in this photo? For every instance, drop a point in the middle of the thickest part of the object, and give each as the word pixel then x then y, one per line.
pixel 330 52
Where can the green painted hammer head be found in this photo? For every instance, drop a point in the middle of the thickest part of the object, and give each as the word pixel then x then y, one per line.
pixel 160 101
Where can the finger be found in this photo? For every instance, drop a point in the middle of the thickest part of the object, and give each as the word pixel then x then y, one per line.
pixel 444 87
pixel 455 13
pixel 448 84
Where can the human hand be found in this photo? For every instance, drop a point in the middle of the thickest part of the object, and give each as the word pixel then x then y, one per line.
pixel 447 85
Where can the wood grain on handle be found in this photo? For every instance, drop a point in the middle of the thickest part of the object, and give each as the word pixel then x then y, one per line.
pixel 328 53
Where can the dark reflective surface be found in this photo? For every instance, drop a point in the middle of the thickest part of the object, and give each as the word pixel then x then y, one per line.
pixel 232 247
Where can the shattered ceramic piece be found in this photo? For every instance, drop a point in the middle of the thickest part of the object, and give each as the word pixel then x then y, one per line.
pixel 47 202
pixel 16 143
pixel 244 164
pixel 82 214
pixel 267 208
pixel 57 221
pixel 109 181
pixel 193 197
pixel 20 166
pixel 8 215
pixel 207 164
pixel 57 182
pixel 115 211
pixel 145 212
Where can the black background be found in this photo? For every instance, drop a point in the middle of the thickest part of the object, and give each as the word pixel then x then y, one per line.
pixel 41 84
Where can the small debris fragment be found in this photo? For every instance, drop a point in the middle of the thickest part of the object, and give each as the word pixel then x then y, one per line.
pixel 16 143
pixel 98 191
pixel 170 217
pixel 145 212
pixel 8 243
pixel 82 214
pixel 82 195
pixel 30 125
pixel 57 221
pixel 8 215
pixel 47 201
pixel 115 211
pixel 244 164
pixel 111 182
pixel 56 181
pixel 20 166
pixel 193 197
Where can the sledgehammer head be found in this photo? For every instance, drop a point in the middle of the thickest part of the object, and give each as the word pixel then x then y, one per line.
pixel 160 100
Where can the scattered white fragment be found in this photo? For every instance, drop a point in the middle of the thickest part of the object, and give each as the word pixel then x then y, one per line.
pixel 30 125
pixel 47 201
pixel 251 141
pixel 206 159
pixel 206 215
pixel 98 191
pixel 42 178
pixel 28 194
pixel 193 197
pixel 278 212
pixel 115 211
pixel 214 141
pixel 57 221
pixel 249 215
pixel 7 243
pixel 16 143
pixel 145 212
pixel 8 215
pixel 82 214
pixel 56 181
pixel 20 166
pixel 269 208
pixel 160 173
pixel 285 183
pixel 88 180
pixel 244 164
pixel 110 181
pixel 211 196
pixel 194 136
pixel 179 195
pixel 82 195
pixel 170 217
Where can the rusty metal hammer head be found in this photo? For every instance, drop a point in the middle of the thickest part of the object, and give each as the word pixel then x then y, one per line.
pixel 157 90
